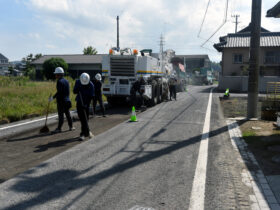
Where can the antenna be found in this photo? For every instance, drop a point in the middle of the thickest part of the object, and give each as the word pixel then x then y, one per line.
pixel 118 41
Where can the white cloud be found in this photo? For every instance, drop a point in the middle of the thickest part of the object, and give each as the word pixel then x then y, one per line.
pixel 71 25
pixel 34 36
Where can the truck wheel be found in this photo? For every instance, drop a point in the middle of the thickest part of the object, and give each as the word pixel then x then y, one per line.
pixel 159 94
pixel 153 101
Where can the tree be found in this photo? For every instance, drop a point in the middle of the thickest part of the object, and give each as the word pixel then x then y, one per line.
pixel 50 65
pixel 29 69
pixel 90 51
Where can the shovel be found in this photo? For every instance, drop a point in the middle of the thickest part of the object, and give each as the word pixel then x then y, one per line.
pixel 45 129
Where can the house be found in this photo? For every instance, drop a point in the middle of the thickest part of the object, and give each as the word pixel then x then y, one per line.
pixel 77 64
pixel 235 59
pixel 4 65
pixel 274 11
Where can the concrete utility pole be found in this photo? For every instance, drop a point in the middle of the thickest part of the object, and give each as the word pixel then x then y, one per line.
pixel 253 79
pixel 236 21
pixel 118 41
pixel 161 51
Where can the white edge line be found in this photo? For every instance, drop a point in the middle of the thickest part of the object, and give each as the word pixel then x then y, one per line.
pixel 198 187
pixel 29 122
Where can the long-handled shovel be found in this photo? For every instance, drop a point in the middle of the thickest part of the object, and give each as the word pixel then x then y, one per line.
pixel 45 129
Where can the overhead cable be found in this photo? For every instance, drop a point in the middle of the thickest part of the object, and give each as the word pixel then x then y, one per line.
pixel 224 22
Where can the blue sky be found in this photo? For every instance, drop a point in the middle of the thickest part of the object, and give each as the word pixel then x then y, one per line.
pixel 67 26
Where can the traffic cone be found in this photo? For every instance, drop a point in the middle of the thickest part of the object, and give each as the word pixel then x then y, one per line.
pixel 133 115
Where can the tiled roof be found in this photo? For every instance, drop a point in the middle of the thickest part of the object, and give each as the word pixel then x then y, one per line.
pixel 73 59
pixel 274 11
pixel 2 57
pixel 268 39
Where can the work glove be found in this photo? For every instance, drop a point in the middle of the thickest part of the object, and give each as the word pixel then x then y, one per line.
pixel 50 99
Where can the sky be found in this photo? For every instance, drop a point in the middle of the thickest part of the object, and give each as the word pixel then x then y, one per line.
pixel 53 27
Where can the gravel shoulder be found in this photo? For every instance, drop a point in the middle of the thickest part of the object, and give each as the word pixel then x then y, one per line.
pixel 262 137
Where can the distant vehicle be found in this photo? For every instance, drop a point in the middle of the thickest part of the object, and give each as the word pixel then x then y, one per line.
pixel 202 76
pixel 121 68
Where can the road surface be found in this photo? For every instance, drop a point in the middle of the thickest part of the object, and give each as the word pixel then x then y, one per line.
pixel 177 156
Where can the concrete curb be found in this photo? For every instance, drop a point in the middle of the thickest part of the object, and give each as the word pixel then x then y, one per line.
pixel 263 197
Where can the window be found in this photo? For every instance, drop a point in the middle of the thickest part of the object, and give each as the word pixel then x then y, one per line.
pixel 237 58
pixel 272 57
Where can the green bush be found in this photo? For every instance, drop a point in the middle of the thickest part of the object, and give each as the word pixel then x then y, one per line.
pixel 50 65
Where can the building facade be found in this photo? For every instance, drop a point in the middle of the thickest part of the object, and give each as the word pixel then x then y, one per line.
pixel 4 65
pixel 77 64
pixel 235 59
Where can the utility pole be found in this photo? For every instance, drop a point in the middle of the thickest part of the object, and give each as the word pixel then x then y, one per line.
pixel 253 79
pixel 161 51
pixel 236 21
pixel 118 41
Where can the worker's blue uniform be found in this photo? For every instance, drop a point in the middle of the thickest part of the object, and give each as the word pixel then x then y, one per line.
pixel 84 95
pixel 63 102
pixel 98 96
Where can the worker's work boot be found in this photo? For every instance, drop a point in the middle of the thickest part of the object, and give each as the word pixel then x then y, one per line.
pixel 82 137
pixel 57 130
pixel 90 135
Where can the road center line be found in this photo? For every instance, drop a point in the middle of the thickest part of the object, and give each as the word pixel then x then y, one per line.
pixel 198 187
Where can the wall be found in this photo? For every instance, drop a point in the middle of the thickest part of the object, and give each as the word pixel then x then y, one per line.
pixel 231 69
pixel 240 83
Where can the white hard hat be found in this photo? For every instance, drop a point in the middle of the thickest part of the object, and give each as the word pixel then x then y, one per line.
pixel 59 70
pixel 98 76
pixel 84 78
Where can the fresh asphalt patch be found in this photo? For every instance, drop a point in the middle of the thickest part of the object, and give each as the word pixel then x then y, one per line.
pixel 20 152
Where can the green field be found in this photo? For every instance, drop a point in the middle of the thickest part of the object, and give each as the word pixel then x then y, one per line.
pixel 21 98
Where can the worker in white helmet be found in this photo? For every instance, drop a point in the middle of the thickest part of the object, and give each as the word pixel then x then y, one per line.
pixel 85 92
pixel 98 94
pixel 62 99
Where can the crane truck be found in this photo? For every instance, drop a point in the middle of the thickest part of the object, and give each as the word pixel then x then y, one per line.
pixel 121 68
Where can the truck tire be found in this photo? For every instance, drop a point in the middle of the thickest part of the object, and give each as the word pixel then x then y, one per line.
pixel 153 101
pixel 159 94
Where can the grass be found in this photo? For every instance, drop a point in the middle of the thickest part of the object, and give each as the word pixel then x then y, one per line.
pixel 21 98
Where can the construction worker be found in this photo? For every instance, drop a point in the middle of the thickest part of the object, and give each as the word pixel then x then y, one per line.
pixel 136 87
pixel 85 91
pixel 62 99
pixel 172 87
pixel 98 94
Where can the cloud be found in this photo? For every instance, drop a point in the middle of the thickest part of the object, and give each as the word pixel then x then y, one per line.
pixel 72 24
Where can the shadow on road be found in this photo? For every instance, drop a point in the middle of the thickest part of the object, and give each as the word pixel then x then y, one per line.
pixel 58 183
pixel 59 143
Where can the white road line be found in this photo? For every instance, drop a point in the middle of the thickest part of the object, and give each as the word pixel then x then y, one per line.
pixel 29 122
pixel 25 123
pixel 198 187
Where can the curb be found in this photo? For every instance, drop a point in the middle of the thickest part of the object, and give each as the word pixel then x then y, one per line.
pixel 263 197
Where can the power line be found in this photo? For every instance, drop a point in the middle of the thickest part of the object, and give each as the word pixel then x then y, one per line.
pixel 203 18
pixel 224 22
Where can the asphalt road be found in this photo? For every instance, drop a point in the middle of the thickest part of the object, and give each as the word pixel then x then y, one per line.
pixel 149 164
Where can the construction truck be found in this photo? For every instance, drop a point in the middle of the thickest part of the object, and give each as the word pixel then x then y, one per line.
pixel 202 76
pixel 121 68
